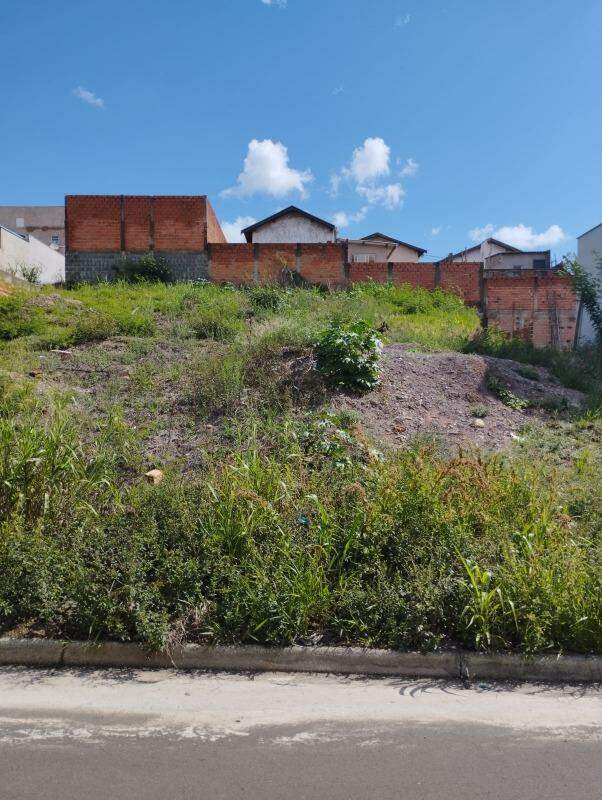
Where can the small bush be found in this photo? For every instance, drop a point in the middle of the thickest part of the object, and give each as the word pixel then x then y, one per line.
pixel 17 318
pixel 555 405
pixel 528 372
pixel 348 356
pixel 479 411
pixel 211 323
pixel 218 381
pixel 149 267
pixel 94 327
pixel 267 298
pixel 503 393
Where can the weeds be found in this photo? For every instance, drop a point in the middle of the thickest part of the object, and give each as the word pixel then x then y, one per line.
pixel 292 528
pixel 503 393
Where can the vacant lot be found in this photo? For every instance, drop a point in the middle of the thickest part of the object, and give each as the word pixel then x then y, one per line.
pixel 458 502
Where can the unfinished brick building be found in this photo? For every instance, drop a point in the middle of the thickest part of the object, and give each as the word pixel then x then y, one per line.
pixel 102 229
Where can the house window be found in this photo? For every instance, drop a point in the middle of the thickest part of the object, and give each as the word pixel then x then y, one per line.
pixel 364 258
pixel 539 263
pixel 54 239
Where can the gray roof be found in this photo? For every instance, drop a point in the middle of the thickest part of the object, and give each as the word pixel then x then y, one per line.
pixel 378 235
pixel 490 240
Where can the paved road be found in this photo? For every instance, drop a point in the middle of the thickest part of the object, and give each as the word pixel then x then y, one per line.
pixel 143 734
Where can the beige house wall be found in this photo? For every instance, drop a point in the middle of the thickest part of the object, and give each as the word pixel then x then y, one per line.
pixel 42 222
pixel 382 251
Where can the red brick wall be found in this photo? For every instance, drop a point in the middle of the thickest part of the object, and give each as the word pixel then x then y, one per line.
pixel 414 273
pixel 541 309
pixel 231 263
pixel 463 279
pixel 214 229
pixel 137 213
pixel 180 223
pixel 272 259
pixel 323 263
pixel 93 223
pixel 175 223
pixel 360 272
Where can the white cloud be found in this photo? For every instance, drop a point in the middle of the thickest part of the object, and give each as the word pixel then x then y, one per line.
pixel 436 230
pixel 275 3
pixel 338 89
pixel 370 161
pixel 400 21
pixel 335 183
pixel 232 230
pixel 266 170
pixel 369 165
pixel 521 236
pixel 410 168
pixel 89 97
pixel 389 195
pixel 342 219
pixel 478 234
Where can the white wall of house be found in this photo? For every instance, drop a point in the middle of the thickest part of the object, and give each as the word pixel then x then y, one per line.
pixel 293 228
pixel 479 252
pixel 589 250
pixel 360 250
pixel 517 261
pixel 16 250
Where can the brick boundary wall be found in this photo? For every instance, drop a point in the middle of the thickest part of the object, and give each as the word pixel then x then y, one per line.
pixel 245 264
pixel 539 307
pixel 102 229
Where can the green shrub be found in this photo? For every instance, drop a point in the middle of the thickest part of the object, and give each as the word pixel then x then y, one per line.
pixel 528 372
pixel 93 327
pixel 212 323
pixel 17 318
pixel 348 356
pixel 267 298
pixel 479 410
pixel 218 380
pixel 150 267
pixel 581 369
pixel 504 393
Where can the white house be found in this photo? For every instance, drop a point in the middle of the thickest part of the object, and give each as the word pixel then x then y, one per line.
pixel 291 225
pixel 377 247
pixel 499 255
pixel 589 255
pixel 20 251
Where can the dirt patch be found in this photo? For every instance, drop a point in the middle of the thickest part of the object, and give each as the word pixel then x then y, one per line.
pixel 447 396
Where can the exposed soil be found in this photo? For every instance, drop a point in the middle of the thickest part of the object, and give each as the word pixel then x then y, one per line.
pixel 435 395
pixel 421 394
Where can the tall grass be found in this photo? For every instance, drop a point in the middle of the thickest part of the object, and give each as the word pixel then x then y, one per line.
pixel 312 537
pixel 294 529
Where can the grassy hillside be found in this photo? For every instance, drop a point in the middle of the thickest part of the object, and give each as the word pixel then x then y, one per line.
pixel 277 521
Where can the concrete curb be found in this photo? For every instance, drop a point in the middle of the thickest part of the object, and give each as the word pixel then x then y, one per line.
pixel 353 660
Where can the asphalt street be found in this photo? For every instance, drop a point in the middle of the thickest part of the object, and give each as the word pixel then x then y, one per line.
pixel 166 734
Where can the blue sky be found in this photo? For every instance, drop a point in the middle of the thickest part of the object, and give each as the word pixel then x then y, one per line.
pixel 424 120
